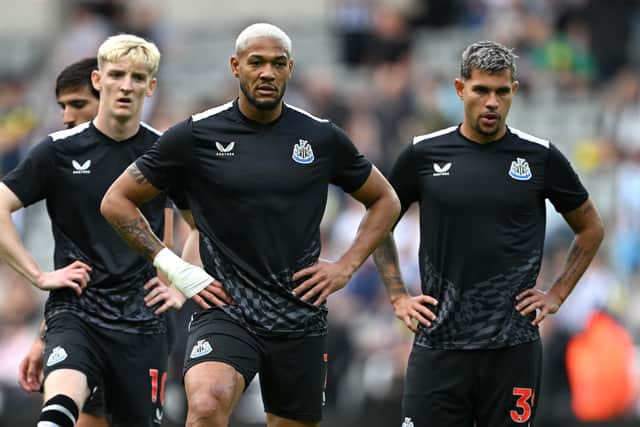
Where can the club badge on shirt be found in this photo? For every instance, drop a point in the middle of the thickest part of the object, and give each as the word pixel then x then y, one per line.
pixel 303 153
pixel 520 170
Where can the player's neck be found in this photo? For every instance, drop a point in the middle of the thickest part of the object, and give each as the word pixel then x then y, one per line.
pixel 257 115
pixel 474 136
pixel 115 128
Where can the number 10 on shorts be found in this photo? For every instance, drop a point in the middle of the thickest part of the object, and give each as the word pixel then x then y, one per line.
pixel 153 373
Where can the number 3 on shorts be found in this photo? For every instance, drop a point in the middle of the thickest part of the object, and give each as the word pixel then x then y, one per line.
pixel 523 411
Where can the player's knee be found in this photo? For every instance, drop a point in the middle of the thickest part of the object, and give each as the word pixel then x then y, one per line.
pixel 59 411
pixel 211 402
pixel 291 423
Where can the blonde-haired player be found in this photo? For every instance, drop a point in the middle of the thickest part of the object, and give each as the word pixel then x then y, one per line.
pixel 99 329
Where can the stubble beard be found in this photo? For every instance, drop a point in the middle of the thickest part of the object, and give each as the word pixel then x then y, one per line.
pixel 489 133
pixel 266 105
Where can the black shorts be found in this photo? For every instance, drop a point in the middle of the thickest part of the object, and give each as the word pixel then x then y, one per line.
pixel 292 371
pixel 467 388
pixel 94 405
pixel 129 368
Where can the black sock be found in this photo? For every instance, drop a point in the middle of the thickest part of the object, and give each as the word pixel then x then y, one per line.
pixel 59 411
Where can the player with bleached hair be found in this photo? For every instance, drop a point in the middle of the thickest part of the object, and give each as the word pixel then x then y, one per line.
pixel 255 172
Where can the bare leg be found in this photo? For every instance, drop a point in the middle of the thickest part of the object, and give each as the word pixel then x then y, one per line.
pixel 213 390
pixel 88 420
pixel 276 421
pixel 69 382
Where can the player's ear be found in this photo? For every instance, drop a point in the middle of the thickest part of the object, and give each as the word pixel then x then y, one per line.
pixel 234 62
pixel 95 80
pixel 514 86
pixel 152 86
pixel 459 85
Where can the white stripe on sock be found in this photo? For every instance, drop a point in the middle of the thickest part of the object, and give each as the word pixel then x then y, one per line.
pixel 62 409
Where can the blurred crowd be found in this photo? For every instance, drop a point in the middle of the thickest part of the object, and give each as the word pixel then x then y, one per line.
pixel 382 89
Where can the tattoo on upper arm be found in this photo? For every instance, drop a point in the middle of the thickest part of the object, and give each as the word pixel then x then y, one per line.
pixel 139 236
pixel 137 176
pixel 386 258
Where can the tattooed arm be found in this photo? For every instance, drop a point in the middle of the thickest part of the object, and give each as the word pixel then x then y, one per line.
pixel 386 259
pixel 406 308
pixel 589 232
pixel 120 207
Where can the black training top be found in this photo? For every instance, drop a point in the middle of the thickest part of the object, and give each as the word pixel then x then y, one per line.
pixel 257 193
pixel 72 170
pixel 482 228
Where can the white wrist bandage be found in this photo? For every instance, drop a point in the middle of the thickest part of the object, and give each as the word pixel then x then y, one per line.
pixel 187 278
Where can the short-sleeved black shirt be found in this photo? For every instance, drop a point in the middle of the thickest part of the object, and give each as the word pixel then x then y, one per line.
pixel 482 227
pixel 72 170
pixel 258 193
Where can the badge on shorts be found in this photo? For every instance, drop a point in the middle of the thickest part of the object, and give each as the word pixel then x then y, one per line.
pixel 201 348
pixel 407 422
pixel 57 355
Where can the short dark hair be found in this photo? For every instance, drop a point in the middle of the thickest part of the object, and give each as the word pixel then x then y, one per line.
pixel 489 56
pixel 76 76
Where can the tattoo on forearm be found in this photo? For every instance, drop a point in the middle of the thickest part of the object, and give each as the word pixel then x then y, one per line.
pixel 386 259
pixel 139 236
pixel 577 262
pixel 137 176
pixel 587 225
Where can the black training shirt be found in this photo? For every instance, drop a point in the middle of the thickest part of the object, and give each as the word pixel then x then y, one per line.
pixel 72 170
pixel 482 228
pixel 257 193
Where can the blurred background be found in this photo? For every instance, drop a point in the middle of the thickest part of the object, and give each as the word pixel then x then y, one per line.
pixel 383 71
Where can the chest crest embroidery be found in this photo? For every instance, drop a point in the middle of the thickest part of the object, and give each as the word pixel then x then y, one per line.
pixel 520 170
pixel 303 153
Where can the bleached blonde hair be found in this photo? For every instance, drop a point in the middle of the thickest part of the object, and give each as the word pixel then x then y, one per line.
pixel 134 48
pixel 262 29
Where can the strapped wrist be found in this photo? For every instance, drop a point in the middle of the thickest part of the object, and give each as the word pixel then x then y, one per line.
pixel 187 278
